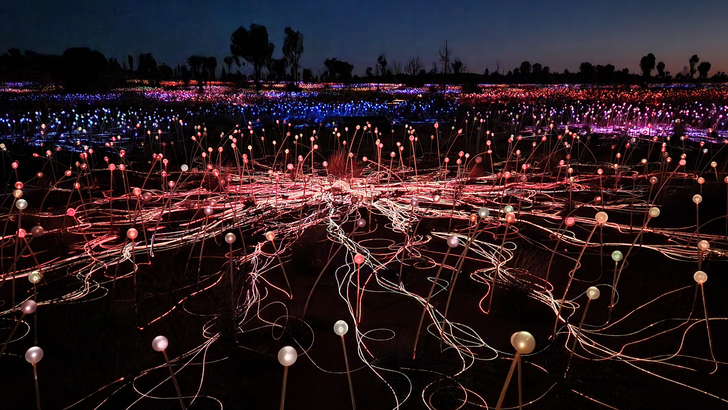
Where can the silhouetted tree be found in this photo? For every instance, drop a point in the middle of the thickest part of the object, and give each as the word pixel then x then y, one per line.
pixel 525 68
pixel 444 58
pixel 82 68
pixel 694 60
pixel 252 46
pixel 130 60
pixel 606 74
pixel 185 75
pixel 196 63
pixel 370 72
pixel 397 68
pixel 147 66
pixel 228 62
pixel 457 67
pixel 661 69
pixel 277 69
pixel 165 72
pixel 210 65
pixel 414 66
pixel 337 70
pixel 587 71
pixel 382 65
pixel 703 69
pixel 647 64
pixel 307 75
pixel 292 50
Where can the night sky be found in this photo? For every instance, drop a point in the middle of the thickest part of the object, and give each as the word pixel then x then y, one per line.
pixel 483 34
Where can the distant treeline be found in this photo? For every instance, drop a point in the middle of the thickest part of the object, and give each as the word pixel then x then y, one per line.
pixel 85 70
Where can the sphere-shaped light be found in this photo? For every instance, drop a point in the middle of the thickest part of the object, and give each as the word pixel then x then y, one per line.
pixel 700 277
pixel 33 355
pixel 208 210
pixel 453 241
pixel 570 221
pixel 593 293
pixel 510 217
pixel 270 235
pixel 703 245
pixel 653 180
pixel 414 202
pixel 617 256
pixel 287 356
pixel 341 327
pixel 184 167
pixel 28 307
pixel 601 217
pixel 697 198
pixel 21 204
pixel 160 343
pixel 483 212
pixel 507 209
pixel 361 222
pixel 37 231
pixel 358 259
pixel 523 342
pixel 35 277
pixel 654 212
pixel 230 237
pixel 132 233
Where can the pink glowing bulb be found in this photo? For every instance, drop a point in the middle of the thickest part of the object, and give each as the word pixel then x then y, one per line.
pixel 358 259
pixel 71 212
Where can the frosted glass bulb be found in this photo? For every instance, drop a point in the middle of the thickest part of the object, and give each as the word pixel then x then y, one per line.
pixel 28 307
pixel 703 245
pixel 483 212
pixel 287 356
pixel 700 277
pixel 340 327
pixel 230 238
pixel 37 231
pixel 593 293
pixel 654 212
pixel 270 235
pixel 35 277
pixel 601 217
pixel 33 355
pixel 160 343
pixel 523 342
pixel 132 233
pixel 21 204
pixel 697 198
pixel 616 256
pixel 453 241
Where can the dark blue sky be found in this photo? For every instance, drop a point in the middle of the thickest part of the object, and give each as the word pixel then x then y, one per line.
pixel 483 34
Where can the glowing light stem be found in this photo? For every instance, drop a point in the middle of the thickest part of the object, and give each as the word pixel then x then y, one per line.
pixel 553 253
pixel 278 255
pixel 283 389
pixel 37 389
pixel 427 301
pixel 576 336
pixel 516 360
pixel 624 260
pixel 571 278
pixel 348 374
pixel 174 380
pixel 707 326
